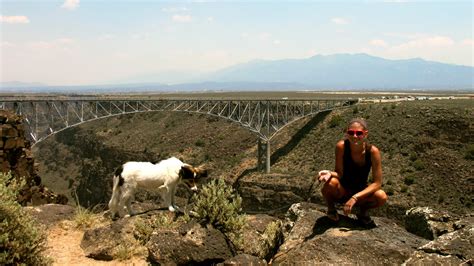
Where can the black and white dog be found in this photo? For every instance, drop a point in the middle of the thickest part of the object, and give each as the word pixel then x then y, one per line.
pixel 163 177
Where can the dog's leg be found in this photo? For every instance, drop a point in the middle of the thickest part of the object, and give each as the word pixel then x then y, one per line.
pixel 125 200
pixel 173 203
pixel 129 206
pixel 167 197
pixel 114 200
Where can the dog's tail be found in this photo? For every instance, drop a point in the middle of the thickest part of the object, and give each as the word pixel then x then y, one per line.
pixel 116 190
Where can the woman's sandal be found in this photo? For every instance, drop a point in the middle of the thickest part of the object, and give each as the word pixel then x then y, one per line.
pixel 365 220
pixel 332 215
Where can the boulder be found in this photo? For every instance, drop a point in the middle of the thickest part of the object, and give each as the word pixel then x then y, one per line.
pixel 453 248
pixel 50 214
pixel 191 244
pixel 105 242
pixel 428 223
pixel 312 238
pixel 262 236
pixel 244 259
pixel 272 192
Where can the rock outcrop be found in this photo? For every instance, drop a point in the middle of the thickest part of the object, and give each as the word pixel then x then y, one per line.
pixel 312 238
pixel 428 223
pixel 455 248
pixel 16 157
pixel 305 236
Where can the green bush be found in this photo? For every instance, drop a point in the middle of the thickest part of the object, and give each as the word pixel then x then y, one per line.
pixel 413 156
pixel 404 189
pixel 21 241
pixel 271 238
pixel 469 155
pixel 219 205
pixel 418 165
pixel 335 121
pixel 409 180
pixel 355 110
pixel 389 191
pixel 200 143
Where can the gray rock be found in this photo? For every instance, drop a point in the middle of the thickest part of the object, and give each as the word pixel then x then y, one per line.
pixel 428 223
pixel 273 192
pixel 262 235
pixel 191 245
pixel 103 243
pixel 244 259
pixel 454 248
pixel 50 214
pixel 314 239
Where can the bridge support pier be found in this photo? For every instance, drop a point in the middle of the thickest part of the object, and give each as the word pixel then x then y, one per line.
pixel 263 151
pixel 268 157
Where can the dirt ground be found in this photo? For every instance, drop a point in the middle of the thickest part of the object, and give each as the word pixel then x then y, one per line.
pixel 64 248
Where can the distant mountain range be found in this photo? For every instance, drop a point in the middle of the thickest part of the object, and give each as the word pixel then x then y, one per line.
pixel 331 72
pixel 352 71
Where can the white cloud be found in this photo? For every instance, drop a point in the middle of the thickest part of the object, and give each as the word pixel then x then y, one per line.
pixel 106 37
pixel 276 42
pixel 311 52
pixel 210 19
pixel 174 9
pixel 182 18
pixel 468 42
pixel 61 43
pixel 339 21
pixel 14 19
pixel 435 47
pixel 244 35
pixel 264 36
pixel 378 42
pixel 434 41
pixel 70 4
pixel 6 44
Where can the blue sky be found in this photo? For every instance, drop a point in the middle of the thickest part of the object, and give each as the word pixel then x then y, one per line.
pixel 84 42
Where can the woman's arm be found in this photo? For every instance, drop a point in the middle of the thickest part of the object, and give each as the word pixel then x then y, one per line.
pixel 325 175
pixel 339 167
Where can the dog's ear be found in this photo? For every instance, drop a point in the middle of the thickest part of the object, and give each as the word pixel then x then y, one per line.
pixel 201 171
pixel 186 172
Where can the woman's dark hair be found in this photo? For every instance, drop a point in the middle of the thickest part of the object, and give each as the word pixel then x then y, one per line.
pixel 360 121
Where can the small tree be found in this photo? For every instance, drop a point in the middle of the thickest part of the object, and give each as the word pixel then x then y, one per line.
pixel 219 205
pixel 21 242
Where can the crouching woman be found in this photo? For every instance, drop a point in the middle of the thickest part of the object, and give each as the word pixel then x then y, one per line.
pixel 348 184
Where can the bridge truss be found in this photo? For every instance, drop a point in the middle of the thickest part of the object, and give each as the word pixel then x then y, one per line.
pixel 263 117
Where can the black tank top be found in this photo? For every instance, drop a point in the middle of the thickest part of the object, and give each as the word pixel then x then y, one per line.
pixel 355 177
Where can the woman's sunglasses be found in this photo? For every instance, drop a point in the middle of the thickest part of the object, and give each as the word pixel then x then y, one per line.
pixel 358 133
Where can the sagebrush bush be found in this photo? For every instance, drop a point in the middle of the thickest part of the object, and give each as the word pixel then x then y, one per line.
pixel 21 241
pixel 409 180
pixel 335 121
pixel 418 165
pixel 469 154
pixel 219 205
pixel 144 228
pixel 271 238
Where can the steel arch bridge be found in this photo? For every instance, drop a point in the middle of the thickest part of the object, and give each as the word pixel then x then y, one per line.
pixel 45 117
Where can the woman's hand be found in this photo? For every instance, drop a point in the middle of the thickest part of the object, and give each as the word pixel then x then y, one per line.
pixel 348 206
pixel 324 175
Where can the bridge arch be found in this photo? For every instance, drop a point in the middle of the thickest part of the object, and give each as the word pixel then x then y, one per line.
pixel 265 118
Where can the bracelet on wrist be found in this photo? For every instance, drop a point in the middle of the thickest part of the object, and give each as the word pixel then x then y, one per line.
pixel 354 197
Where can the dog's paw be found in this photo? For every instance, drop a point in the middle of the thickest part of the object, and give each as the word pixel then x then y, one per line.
pixel 171 209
